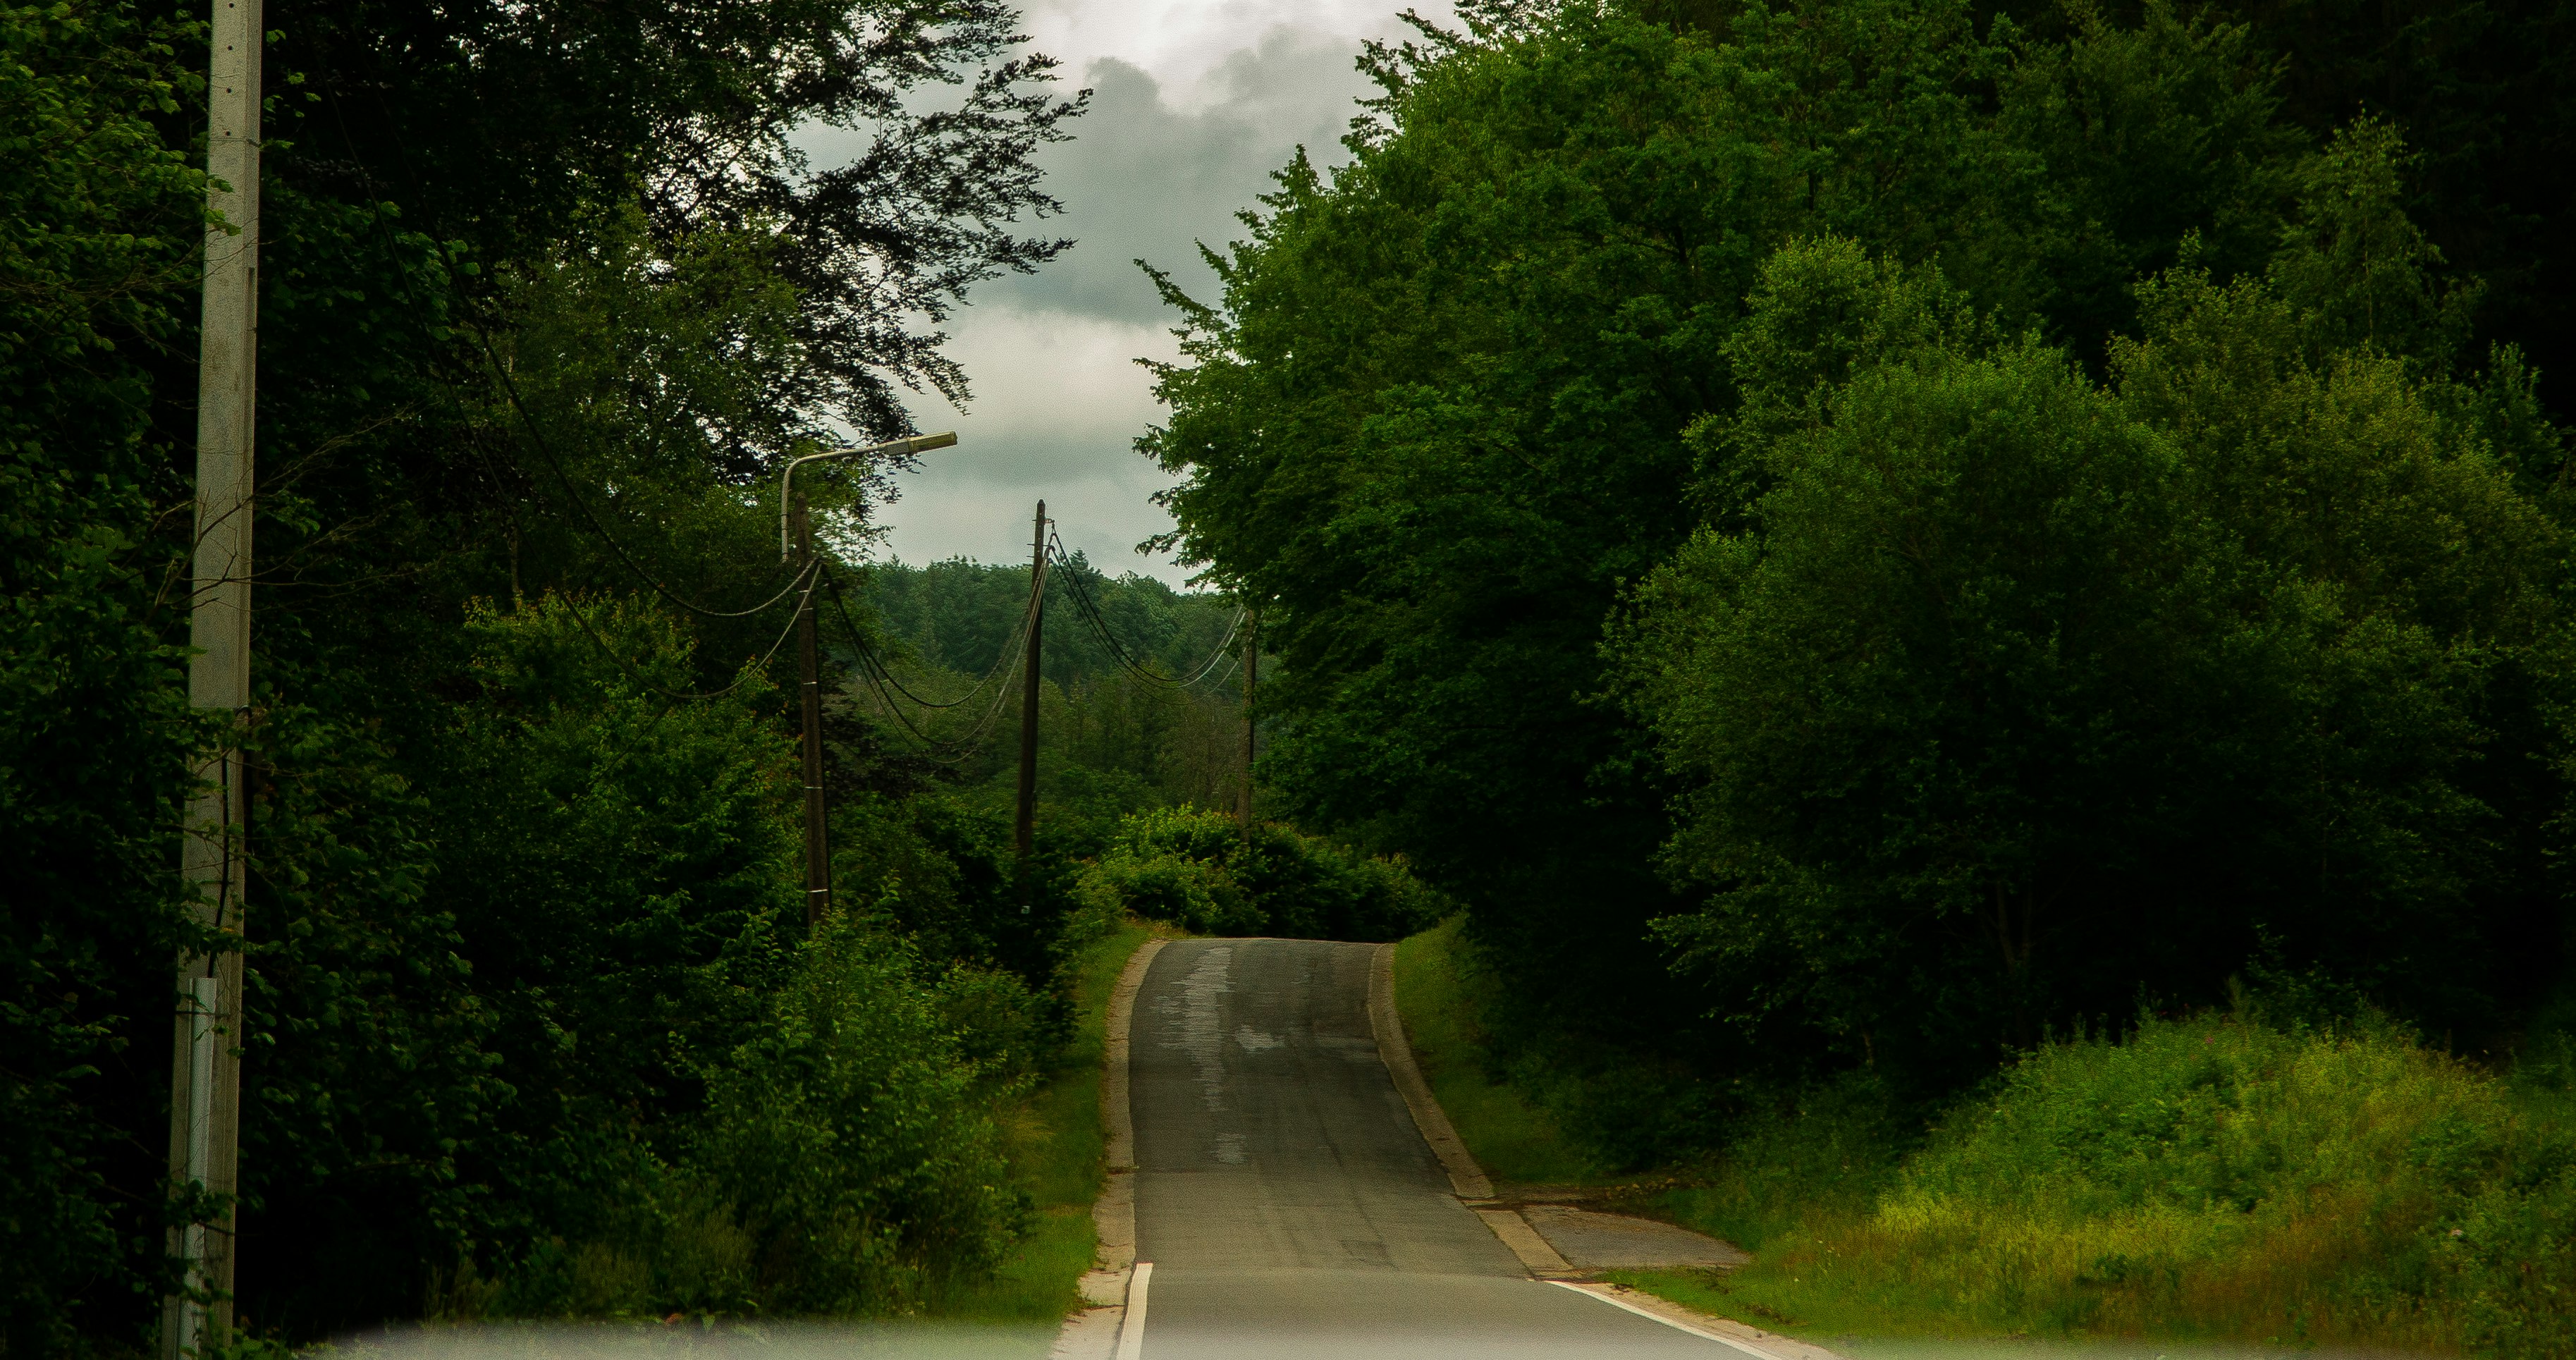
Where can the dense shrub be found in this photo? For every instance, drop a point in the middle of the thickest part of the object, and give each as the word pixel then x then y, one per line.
pixel 2017 692
pixel 847 1161
pixel 100 216
pixel 852 1136
pixel 2216 1175
pixel 1195 868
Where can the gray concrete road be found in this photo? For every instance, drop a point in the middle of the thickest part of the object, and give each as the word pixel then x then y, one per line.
pixel 1289 1205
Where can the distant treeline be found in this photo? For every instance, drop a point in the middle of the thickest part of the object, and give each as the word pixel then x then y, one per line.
pixel 1147 722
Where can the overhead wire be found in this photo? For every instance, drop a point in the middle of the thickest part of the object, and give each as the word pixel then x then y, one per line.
pixel 510 388
pixel 1090 610
pixel 806 577
pixel 536 437
pixel 873 672
pixel 740 677
pixel 859 639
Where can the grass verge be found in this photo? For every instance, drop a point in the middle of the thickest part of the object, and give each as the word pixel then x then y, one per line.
pixel 1056 1147
pixel 2224 1178
pixel 2213 1178
pixel 1440 994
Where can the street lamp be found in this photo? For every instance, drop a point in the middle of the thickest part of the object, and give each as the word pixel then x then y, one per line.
pixel 795 528
pixel 920 443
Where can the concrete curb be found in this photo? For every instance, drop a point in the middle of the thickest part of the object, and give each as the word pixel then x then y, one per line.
pixel 1131 1318
pixel 1537 1257
pixel 1536 1254
pixel 1095 1332
pixel 1465 1177
pixel 1114 1214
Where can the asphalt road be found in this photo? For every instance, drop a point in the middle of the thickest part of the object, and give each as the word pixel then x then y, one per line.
pixel 1289 1205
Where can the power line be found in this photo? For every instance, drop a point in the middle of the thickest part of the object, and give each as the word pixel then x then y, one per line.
pixel 740 677
pixel 536 437
pixel 859 639
pixel 1090 610
pixel 877 678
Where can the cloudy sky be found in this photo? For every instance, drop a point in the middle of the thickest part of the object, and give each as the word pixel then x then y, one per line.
pixel 1195 103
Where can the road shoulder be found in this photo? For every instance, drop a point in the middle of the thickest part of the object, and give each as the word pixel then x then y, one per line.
pixel 1585 1244
pixel 1093 1332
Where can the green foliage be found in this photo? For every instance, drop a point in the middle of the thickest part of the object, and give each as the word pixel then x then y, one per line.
pixel 2471 84
pixel 847 1159
pixel 1196 869
pixel 851 1134
pixel 1110 741
pixel 488 1041
pixel 2019 694
pixel 1444 999
pixel 545 295
pixel 1442 411
pixel 2220 1176
pixel 100 216
pixel 2357 268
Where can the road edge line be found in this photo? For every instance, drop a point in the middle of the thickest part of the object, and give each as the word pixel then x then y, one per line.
pixel 1131 1322
pixel 1610 1294
pixel 1396 1051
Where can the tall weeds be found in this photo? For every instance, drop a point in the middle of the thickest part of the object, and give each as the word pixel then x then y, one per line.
pixel 2214 1177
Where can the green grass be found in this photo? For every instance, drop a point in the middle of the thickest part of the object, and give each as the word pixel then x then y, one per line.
pixel 2217 1179
pixel 1438 993
pixel 2209 1179
pixel 1056 1145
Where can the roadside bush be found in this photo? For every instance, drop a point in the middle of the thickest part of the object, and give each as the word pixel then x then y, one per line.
pixel 853 1138
pixel 1193 867
pixel 939 867
pixel 2213 1176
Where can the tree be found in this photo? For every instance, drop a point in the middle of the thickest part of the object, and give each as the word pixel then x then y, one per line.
pixel 99 220
pixel 1439 415
pixel 2018 697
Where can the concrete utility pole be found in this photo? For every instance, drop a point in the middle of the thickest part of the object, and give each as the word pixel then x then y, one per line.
pixel 1024 829
pixel 1251 678
pixel 205 1071
pixel 818 850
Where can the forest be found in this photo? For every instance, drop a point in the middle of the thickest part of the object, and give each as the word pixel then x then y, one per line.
pixel 1914 565
pixel 1869 557
pixel 536 1023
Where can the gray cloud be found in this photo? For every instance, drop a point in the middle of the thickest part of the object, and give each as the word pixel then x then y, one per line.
pixel 1058 398
pixel 1143 179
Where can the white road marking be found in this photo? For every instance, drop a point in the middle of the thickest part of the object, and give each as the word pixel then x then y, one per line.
pixel 1675 1323
pixel 1131 1328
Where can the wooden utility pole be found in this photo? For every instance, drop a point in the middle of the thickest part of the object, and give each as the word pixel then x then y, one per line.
pixel 1251 679
pixel 1024 830
pixel 818 850
pixel 205 1070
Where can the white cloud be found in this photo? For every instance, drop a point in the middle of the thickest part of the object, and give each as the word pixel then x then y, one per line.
pixel 1184 44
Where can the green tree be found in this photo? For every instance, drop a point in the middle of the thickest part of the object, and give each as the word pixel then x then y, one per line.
pixel 2018 696
pixel 1440 413
pixel 100 219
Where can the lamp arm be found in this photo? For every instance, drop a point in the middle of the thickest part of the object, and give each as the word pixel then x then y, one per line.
pixel 920 443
